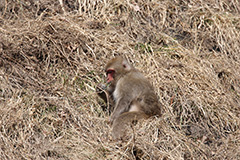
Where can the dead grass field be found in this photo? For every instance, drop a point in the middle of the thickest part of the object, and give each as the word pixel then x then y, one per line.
pixel 53 53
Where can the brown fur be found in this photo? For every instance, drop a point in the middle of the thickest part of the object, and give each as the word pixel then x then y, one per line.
pixel 132 95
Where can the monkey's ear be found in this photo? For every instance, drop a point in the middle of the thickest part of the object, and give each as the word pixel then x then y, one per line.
pixel 126 65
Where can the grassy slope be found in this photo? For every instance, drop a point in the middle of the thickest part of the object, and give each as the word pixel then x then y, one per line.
pixel 52 56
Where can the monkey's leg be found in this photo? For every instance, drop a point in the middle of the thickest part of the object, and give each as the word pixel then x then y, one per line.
pixel 122 123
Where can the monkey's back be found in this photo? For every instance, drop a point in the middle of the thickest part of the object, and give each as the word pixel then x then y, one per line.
pixel 136 88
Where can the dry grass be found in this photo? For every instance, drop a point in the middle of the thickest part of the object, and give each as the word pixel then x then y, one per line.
pixel 52 55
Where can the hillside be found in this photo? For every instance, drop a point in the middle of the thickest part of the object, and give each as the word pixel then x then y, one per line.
pixel 52 56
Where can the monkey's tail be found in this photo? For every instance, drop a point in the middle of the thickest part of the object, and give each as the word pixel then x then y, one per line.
pixel 124 121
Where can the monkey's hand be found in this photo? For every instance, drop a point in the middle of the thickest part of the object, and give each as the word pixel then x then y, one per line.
pixel 101 90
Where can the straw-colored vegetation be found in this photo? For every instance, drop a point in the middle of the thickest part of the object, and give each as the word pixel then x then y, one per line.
pixel 53 53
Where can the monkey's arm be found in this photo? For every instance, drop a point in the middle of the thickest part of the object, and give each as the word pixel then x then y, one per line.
pixel 123 105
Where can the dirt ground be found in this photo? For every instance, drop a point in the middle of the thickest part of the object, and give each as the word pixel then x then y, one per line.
pixel 52 56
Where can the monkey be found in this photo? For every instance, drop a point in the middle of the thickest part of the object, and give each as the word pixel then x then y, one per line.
pixel 130 94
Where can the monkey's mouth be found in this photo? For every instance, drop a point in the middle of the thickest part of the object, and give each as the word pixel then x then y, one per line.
pixel 110 74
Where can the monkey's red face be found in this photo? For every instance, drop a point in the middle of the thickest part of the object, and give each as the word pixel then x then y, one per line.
pixel 110 74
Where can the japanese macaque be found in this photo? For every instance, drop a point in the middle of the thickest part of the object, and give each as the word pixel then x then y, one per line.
pixel 129 94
